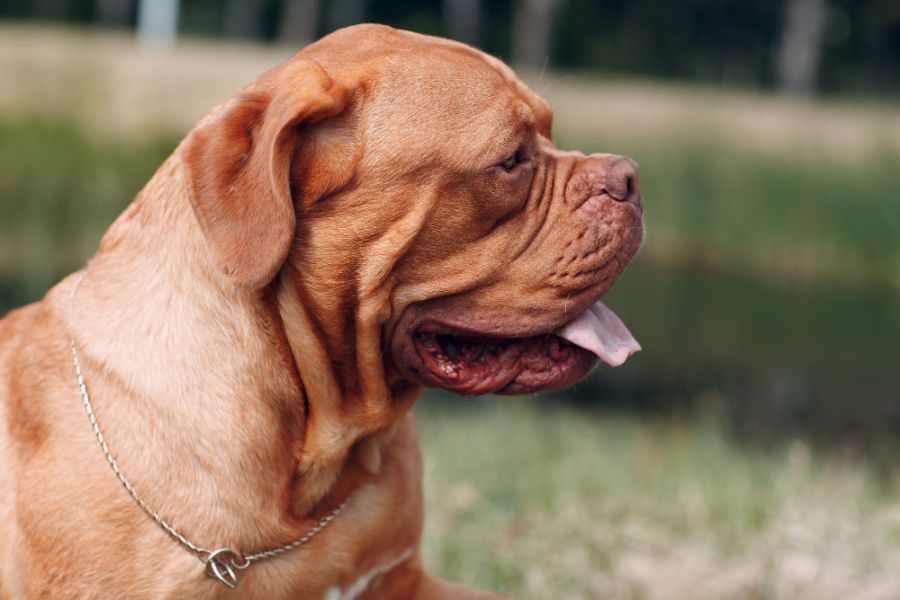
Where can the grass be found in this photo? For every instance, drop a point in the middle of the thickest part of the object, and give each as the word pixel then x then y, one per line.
pixel 546 501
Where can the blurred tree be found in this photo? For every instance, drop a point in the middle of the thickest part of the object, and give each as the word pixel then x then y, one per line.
pixel 299 21
pixel 462 19
pixel 801 42
pixel 115 13
pixel 244 18
pixel 345 12
pixel 802 46
pixel 50 9
pixel 533 31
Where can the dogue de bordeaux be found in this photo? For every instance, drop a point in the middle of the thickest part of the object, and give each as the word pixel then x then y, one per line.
pixel 217 405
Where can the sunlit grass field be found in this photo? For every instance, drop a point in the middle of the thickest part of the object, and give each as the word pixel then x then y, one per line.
pixel 548 501
pixel 534 497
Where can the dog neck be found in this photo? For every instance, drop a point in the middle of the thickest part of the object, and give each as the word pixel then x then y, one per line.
pixel 231 382
pixel 350 404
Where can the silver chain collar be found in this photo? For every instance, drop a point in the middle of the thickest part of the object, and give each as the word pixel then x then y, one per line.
pixel 221 563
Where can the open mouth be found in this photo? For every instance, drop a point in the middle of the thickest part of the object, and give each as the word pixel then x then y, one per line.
pixel 475 364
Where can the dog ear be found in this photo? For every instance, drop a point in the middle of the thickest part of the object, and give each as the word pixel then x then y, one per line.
pixel 238 165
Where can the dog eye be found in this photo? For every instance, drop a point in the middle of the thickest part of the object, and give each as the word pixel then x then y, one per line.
pixel 508 163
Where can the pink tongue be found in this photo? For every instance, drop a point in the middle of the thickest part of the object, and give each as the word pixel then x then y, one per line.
pixel 599 330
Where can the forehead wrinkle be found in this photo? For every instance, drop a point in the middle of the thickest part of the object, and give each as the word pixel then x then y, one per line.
pixel 409 52
pixel 408 130
pixel 488 103
pixel 503 129
pixel 507 130
pixel 538 114
pixel 540 107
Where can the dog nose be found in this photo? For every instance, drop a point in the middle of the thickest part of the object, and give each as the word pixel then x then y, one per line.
pixel 609 175
pixel 620 180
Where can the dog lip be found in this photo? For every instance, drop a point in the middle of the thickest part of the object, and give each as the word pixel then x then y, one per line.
pixel 444 326
pixel 590 197
pixel 637 206
pixel 473 364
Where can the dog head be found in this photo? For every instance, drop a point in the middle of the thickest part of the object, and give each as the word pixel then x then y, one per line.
pixel 404 196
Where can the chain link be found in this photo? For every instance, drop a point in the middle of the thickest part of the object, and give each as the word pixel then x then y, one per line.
pixel 221 562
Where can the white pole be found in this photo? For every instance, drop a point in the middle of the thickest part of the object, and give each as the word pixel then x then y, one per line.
pixel 157 22
pixel 801 46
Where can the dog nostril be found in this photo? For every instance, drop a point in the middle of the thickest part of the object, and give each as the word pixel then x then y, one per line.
pixel 621 181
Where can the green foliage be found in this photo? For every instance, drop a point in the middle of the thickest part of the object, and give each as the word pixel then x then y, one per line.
pixel 59 191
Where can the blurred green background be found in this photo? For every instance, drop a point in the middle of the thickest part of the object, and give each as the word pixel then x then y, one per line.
pixel 751 450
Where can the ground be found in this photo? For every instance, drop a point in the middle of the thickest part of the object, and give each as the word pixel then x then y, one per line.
pixel 550 501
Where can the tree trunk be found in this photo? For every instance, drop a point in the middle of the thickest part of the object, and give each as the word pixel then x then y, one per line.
pixel 462 19
pixel 533 32
pixel 801 43
pixel 299 22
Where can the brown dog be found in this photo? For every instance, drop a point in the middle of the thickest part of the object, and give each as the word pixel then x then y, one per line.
pixel 382 212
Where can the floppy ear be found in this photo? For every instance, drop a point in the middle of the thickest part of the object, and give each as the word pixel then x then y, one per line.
pixel 238 165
